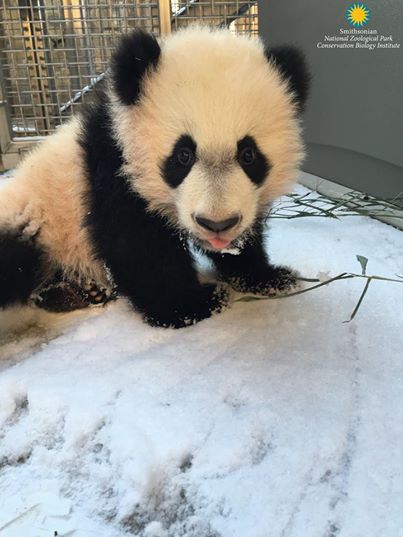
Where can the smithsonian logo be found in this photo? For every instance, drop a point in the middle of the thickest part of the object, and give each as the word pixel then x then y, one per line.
pixel 358 15
pixel 357 37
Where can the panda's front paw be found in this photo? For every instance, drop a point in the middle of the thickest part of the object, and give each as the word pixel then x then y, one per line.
pixel 276 280
pixel 190 308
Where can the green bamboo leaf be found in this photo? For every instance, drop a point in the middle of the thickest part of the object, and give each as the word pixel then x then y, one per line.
pixel 363 262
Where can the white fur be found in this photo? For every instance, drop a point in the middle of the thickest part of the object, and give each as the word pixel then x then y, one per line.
pixel 217 87
pixel 213 85
pixel 46 197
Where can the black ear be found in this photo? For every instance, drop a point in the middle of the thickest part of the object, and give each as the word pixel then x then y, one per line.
pixel 292 65
pixel 137 52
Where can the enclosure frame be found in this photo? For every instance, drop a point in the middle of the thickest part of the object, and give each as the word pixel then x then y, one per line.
pixel 32 29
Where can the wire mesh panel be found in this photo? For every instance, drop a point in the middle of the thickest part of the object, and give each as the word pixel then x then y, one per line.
pixel 238 15
pixel 54 51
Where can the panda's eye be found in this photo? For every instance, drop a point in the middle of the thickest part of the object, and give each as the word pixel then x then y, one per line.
pixel 179 162
pixel 247 156
pixel 185 156
pixel 253 162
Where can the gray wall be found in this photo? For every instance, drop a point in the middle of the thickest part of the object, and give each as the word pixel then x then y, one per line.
pixel 354 118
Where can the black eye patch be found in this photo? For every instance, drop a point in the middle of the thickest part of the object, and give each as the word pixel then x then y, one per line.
pixel 252 161
pixel 179 163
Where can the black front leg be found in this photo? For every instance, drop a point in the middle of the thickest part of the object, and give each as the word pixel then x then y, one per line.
pixel 148 262
pixel 251 272
pixel 172 306
pixel 161 283
pixel 151 266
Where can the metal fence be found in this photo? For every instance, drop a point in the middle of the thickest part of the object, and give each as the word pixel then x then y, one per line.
pixel 240 16
pixel 54 51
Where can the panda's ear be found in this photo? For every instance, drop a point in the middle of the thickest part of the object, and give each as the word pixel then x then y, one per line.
pixel 292 66
pixel 137 53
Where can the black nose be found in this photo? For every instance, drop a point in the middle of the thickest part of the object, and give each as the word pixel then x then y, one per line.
pixel 213 225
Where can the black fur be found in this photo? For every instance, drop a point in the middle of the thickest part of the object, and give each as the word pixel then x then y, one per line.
pixel 20 267
pixel 60 295
pixel 258 170
pixel 148 261
pixel 292 65
pixel 251 271
pixel 137 53
pixel 173 171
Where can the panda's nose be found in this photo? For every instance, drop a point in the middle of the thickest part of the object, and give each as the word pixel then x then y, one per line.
pixel 217 226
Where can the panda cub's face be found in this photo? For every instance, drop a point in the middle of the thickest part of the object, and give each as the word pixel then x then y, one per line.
pixel 213 136
pixel 216 189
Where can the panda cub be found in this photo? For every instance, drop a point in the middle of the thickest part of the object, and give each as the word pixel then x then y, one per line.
pixel 188 140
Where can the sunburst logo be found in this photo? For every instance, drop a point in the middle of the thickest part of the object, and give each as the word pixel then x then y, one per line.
pixel 358 15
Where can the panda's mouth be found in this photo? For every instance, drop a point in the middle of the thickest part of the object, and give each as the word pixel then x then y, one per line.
pixel 221 244
pixel 218 243
pixel 214 243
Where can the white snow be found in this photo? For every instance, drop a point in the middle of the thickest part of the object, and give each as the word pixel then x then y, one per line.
pixel 273 419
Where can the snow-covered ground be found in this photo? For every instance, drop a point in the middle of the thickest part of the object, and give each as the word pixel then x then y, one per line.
pixel 273 419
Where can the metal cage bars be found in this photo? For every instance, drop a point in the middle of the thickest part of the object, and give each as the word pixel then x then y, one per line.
pixel 54 51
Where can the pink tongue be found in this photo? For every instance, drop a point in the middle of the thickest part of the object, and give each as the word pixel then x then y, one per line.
pixel 218 243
